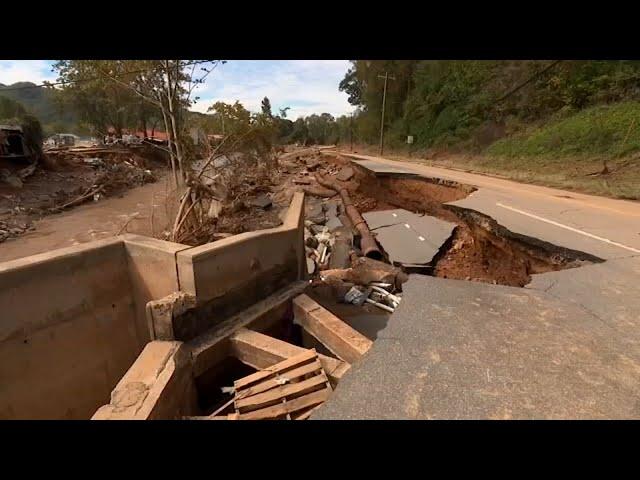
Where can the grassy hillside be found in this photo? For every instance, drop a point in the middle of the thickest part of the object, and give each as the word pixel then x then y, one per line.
pixel 607 131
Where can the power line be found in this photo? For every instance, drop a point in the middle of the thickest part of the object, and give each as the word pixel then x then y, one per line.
pixel 53 84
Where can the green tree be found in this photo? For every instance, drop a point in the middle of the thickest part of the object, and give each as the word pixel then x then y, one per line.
pixel 266 107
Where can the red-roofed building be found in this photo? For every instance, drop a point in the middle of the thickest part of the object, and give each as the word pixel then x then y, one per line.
pixel 155 134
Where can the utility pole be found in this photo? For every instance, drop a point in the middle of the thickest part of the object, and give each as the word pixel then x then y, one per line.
pixel 351 133
pixel 384 100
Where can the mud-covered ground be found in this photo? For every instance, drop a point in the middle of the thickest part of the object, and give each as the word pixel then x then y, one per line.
pixel 64 180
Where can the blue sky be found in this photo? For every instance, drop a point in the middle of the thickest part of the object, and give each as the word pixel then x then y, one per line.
pixel 307 86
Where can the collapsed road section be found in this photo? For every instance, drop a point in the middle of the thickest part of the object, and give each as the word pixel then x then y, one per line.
pixel 261 324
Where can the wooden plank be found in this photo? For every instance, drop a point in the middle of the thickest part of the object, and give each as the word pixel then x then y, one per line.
pixel 294 405
pixel 287 364
pixel 260 351
pixel 345 342
pixel 306 414
pixel 273 382
pixel 212 346
pixel 276 395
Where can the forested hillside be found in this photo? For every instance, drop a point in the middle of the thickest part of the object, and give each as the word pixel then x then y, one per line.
pixel 555 122
pixel 44 104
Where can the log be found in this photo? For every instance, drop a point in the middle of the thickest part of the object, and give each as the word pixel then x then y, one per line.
pixel 367 242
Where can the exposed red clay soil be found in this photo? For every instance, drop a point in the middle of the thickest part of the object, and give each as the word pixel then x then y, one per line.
pixel 480 249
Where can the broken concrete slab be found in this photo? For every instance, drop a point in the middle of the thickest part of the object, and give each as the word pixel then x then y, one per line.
pixel 315 214
pixel 334 223
pixel 263 201
pixel 409 238
pixel 312 164
pixel 345 174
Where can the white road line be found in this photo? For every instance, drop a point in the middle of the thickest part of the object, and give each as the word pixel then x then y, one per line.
pixel 586 234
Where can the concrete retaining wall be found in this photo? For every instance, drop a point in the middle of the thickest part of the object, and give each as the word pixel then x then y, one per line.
pixel 158 386
pixel 72 321
pixel 229 275
pixel 67 330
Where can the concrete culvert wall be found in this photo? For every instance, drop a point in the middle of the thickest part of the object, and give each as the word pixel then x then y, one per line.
pixel 68 330
pixel 73 320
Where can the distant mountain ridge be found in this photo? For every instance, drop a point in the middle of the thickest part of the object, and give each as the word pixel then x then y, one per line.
pixel 42 103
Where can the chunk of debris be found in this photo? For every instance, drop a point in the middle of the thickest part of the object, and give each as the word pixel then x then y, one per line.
pixel 345 174
pixel 409 238
pixel 312 164
pixel 13 180
pixel 263 201
pixel 311 266
pixel 311 242
pixel 94 162
pixel 356 296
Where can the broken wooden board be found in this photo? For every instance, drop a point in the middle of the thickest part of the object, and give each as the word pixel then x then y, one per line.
pixel 342 340
pixel 288 390
pixel 409 238
pixel 261 351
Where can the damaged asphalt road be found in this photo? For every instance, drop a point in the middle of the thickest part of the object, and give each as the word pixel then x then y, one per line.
pixel 565 346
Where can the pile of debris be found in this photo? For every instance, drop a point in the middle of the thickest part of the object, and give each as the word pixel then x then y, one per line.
pixel 367 281
pixel 16 179
pixel 13 229
pixel 110 179
pixel 225 195
pixel 341 251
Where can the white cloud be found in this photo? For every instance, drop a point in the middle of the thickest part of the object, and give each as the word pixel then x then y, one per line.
pixel 36 71
pixel 307 86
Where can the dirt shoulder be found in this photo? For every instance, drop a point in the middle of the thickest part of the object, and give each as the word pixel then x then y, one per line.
pixel 573 174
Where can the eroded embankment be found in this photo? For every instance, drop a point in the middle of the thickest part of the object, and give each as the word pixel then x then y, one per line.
pixel 480 249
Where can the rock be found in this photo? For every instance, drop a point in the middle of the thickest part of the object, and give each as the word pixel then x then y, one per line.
pixel 221 162
pixel 311 242
pixel 263 201
pixel 220 236
pixel 14 181
pixel 331 208
pixel 302 181
pixel 345 174
pixel 312 164
pixel 94 162
pixel 315 214
pixel 316 229
pixel 334 223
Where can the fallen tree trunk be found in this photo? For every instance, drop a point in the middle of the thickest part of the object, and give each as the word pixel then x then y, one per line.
pixel 367 243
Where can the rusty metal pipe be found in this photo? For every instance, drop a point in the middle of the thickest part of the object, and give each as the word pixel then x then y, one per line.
pixel 367 242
